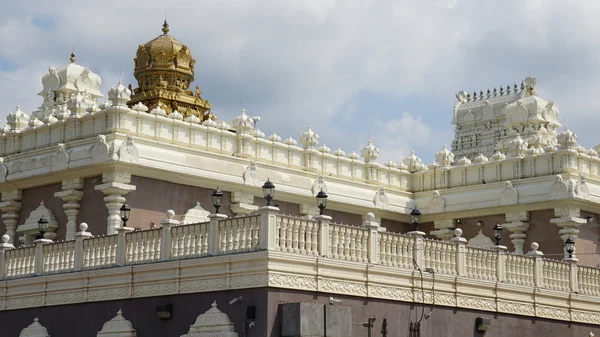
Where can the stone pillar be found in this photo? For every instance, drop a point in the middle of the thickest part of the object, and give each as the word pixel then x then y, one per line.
pixel 538 277
pixel 79 237
pixel 517 225
pixel 267 227
pixel 242 203
pixel 114 185
pixel 373 243
pixel 71 194
pixel 444 229
pixel 324 221
pixel 39 255
pixel 166 239
pixel 461 244
pixel 213 233
pixel 419 246
pixel 10 205
pixel 568 221
pixel 4 246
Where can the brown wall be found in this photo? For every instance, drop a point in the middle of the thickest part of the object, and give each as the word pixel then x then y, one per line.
pixel 85 320
pixel 152 198
pixel 444 321
pixel 34 196
pixel 92 209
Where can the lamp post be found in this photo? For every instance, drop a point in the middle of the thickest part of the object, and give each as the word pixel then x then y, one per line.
pixel 268 191
pixel 321 201
pixel 217 196
pixel 42 226
pixel 415 218
pixel 498 233
pixel 570 246
pixel 125 211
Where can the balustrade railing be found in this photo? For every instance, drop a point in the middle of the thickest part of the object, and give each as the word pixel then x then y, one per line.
pixel 396 250
pixel 269 230
pixel 189 240
pixel 100 252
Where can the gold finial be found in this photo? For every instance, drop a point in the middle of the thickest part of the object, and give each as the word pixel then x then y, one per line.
pixel 72 56
pixel 165 28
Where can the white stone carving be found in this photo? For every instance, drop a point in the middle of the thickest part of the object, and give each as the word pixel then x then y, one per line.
pixel 60 159
pixel 30 228
pixel 213 323
pixel 437 203
pixel 100 150
pixel 274 138
pixel 128 152
pixel 413 163
pixel 581 188
pixel 480 158
pixel 567 139
pixel 117 327
pixel 559 189
pixel 370 152
pixel 509 195
pixel 309 138
pixel 119 95
pixel 319 185
pixel 17 120
pixel 481 240
pixel 35 330
pixel 251 176
pixel 176 115
pixel 463 161
pixel 243 123
pixel 445 158
pixel 195 214
pixel 380 199
pixel 3 170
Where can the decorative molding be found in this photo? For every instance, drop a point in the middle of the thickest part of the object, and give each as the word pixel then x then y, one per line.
pixel 437 203
pixel 559 189
pixel 60 159
pixel 128 151
pixel 251 176
pixel 319 185
pixel 380 199
pixel 100 150
pixel 509 195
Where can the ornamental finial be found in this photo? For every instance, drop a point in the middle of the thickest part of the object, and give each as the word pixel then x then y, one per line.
pixel 165 28
pixel 72 55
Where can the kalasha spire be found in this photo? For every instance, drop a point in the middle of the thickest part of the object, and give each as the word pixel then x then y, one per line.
pixel 165 28
pixel 72 56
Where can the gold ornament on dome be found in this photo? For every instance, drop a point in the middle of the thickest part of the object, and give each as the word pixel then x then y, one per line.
pixel 164 70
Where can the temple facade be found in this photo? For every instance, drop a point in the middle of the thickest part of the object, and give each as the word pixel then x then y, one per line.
pixel 488 252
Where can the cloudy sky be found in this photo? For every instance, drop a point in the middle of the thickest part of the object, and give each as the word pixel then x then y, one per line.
pixel 387 70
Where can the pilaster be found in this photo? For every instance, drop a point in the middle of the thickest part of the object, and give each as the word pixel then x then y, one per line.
pixel 114 185
pixel 444 229
pixel 10 206
pixel 71 195
pixel 242 203
pixel 309 210
pixel 568 221
pixel 517 225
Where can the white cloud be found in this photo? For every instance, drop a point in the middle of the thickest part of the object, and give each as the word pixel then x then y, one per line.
pixel 300 63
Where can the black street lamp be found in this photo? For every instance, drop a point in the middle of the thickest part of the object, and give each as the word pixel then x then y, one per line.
pixel 570 246
pixel 321 201
pixel 268 191
pixel 498 233
pixel 217 195
pixel 125 211
pixel 43 226
pixel 415 217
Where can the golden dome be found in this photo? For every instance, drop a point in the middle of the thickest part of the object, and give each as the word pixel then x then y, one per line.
pixel 164 70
